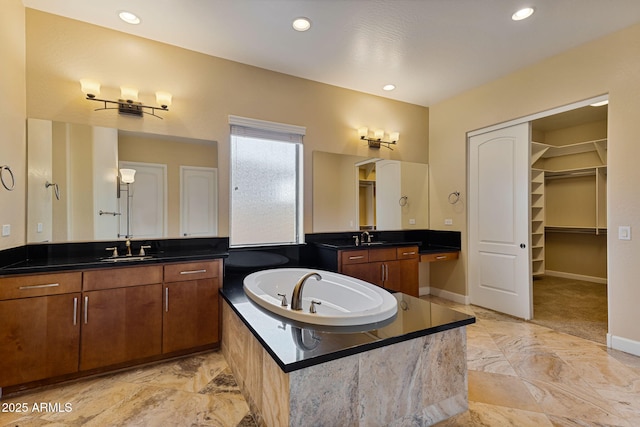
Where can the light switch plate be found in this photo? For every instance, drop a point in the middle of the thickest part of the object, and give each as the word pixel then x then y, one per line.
pixel 448 221
pixel 6 230
pixel 624 232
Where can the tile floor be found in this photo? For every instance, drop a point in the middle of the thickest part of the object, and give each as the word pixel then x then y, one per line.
pixel 520 374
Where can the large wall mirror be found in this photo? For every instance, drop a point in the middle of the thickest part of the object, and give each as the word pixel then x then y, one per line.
pixel 76 191
pixel 359 193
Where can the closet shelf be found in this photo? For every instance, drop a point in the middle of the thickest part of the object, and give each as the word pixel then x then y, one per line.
pixel 574 229
pixel 541 150
pixel 574 173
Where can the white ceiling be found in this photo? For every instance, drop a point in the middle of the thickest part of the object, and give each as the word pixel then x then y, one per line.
pixel 430 49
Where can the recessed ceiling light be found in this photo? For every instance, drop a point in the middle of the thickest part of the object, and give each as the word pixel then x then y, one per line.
pixel 301 24
pixel 522 14
pixel 128 17
pixel 388 87
pixel 600 104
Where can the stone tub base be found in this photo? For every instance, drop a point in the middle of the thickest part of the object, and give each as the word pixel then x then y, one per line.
pixel 421 381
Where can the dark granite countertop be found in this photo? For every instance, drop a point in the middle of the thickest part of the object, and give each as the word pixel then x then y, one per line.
pixel 295 345
pixel 428 241
pixel 79 263
pixel 348 244
pixel 44 258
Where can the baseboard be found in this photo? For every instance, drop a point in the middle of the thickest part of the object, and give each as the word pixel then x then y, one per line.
pixel 424 290
pixel 602 280
pixel 623 344
pixel 451 296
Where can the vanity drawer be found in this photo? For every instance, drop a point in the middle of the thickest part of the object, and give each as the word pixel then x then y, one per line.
pixel 354 257
pixel 121 277
pixel 440 256
pixel 407 252
pixel 39 285
pixel 385 254
pixel 190 271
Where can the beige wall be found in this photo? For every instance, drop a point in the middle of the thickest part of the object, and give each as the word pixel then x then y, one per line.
pixel 206 90
pixel 12 121
pixel 607 65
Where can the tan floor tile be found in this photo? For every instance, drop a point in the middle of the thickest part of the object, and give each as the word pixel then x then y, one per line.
pixel 485 415
pixel 574 402
pixel 501 390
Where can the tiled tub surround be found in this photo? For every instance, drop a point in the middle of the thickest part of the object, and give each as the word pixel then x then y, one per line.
pixel 409 370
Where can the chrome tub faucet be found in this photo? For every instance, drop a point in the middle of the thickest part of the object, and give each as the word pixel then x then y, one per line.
pixel 296 298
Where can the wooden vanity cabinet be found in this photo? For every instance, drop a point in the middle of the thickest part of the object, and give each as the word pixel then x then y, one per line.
pixel 39 327
pixel 393 268
pixel 72 324
pixel 121 315
pixel 190 311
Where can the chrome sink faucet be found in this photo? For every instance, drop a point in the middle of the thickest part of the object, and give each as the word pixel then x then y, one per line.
pixel 296 298
pixel 365 233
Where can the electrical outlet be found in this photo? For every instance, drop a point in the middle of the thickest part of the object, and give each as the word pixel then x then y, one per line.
pixel 39 228
pixel 448 221
pixel 624 232
pixel 412 221
pixel 6 230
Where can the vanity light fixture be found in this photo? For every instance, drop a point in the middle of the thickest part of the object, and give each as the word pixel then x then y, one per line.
pixel 126 177
pixel 128 102
pixel 378 137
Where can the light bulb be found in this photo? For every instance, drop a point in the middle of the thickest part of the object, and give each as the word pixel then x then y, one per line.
pixel 89 87
pixel 127 175
pixel 163 99
pixel 129 94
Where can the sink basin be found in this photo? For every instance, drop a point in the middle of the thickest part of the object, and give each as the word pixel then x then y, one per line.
pixel 373 243
pixel 345 301
pixel 126 258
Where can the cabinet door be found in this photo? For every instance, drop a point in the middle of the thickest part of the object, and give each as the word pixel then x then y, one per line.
pixel 402 276
pixel 190 314
pixel 121 325
pixel 39 338
pixel 371 272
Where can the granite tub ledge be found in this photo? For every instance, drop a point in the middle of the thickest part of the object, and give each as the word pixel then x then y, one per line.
pixel 410 368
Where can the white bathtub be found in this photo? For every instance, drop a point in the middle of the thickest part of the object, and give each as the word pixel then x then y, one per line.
pixel 345 300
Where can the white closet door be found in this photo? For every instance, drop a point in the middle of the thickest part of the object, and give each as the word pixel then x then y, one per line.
pixel 388 210
pixel 198 201
pixel 499 267
pixel 147 202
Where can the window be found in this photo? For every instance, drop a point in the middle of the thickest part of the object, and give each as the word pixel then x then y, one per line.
pixel 266 183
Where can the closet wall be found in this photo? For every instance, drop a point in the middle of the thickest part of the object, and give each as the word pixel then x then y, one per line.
pixel 569 173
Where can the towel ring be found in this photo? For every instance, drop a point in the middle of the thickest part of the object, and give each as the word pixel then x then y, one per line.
pixel 454 197
pixel 13 179
pixel 403 201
